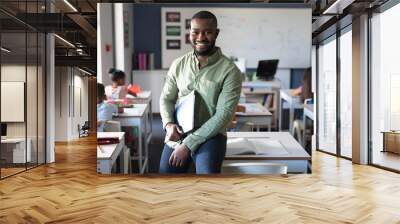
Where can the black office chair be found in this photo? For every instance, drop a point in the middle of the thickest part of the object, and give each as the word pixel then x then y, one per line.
pixel 84 130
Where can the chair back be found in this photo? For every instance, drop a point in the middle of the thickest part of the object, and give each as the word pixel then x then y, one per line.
pixel 112 126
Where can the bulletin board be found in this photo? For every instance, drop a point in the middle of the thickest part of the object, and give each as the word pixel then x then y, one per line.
pixel 12 101
pixel 251 33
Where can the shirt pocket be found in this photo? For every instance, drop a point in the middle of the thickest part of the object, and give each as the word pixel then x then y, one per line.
pixel 209 91
pixel 185 87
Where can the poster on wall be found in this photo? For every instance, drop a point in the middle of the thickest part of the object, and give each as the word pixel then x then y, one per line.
pixel 174 44
pixel 187 24
pixel 173 30
pixel 173 17
pixel 187 39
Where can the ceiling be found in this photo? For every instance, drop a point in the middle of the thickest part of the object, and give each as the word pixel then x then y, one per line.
pixel 76 25
pixel 75 21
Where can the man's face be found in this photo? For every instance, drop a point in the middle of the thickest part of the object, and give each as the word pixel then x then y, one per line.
pixel 203 34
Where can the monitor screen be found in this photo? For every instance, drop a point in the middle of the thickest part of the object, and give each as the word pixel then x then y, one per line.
pixel 266 69
pixel 3 129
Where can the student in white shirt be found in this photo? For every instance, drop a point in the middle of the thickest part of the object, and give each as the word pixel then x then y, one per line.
pixel 104 109
pixel 118 89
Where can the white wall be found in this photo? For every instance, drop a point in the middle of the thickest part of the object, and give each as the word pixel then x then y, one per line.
pixel 118 32
pixel 61 103
pixel 70 84
pixel 112 31
pixel 105 60
pixel 152 80
pixel 252 33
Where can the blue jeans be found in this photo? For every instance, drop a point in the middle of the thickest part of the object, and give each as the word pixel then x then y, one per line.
pixel 208 157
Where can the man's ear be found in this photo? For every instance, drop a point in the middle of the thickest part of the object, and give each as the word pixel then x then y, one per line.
pixel 217 32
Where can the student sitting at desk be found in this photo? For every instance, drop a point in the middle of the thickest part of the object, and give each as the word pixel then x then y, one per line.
pixel 304 91
pixel 104 110
pixel 118 89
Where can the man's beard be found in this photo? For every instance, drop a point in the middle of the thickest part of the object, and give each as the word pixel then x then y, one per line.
pixel 206 52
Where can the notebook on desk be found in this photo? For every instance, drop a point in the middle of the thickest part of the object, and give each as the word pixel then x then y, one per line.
pixel 254 146
pixel 107 140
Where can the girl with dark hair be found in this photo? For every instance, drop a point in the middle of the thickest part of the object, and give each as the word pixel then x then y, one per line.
pixel 118 89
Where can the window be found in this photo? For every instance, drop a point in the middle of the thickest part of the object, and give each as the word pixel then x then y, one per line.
pixel 385 86
pixel 346 93
pixel 326 96
pixel 22 77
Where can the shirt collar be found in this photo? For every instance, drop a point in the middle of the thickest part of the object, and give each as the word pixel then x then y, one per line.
pixel 212 59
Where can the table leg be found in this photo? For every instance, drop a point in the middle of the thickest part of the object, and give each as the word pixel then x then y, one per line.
pixel 140 145
pixel 151 116
pixel 146 149
pixel 280 113
pixel 104 166
pixel 269 123
pixel 126 160
pixel 291 118
pixel 305 129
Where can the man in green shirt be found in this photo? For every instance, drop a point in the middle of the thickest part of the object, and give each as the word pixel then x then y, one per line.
pixel 217 85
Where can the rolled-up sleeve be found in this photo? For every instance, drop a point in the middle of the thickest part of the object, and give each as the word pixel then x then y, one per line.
pixel 168 97
pixel 226 107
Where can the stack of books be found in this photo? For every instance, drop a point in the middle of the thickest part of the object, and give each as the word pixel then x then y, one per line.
pixel 143 61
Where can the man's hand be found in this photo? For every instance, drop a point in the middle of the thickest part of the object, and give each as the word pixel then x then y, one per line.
pixel 179 156
pixel 173 132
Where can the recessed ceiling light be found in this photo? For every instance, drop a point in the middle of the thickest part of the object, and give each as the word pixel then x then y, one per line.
pixel 70 5
pixel 84 71
pixel 64 40
pixel 5 49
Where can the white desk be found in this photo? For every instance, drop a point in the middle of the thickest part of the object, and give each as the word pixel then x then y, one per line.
pixel 18 150
pixel 262 84
pixel 138 116
pixel 254 92
pixel 297 159
pixel 256 114
pixel 293 102
pixel 108 154
pixel 144 97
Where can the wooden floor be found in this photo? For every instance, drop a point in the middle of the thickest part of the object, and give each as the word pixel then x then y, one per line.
pixel 386 159
pixel 70 191
pixel 10 171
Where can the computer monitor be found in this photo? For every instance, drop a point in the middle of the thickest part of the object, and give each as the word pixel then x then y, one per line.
pixel 266 69
pixel 3 129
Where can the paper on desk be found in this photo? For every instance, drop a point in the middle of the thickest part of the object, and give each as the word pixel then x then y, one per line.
pixel 252 146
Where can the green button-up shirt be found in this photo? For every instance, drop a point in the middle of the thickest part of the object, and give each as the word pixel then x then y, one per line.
pixel 217 86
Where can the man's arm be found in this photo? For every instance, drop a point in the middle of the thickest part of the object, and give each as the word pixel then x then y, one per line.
pixel 226 106
pixel 168 98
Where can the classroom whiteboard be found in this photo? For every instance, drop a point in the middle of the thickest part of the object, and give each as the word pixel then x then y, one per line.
pixel 12 101
pixel 251 33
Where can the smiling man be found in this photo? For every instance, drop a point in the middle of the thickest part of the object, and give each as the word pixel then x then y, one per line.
pixel 217 84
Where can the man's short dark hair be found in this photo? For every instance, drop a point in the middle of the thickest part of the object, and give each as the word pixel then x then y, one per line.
pixel 100 91
pixel 206 15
